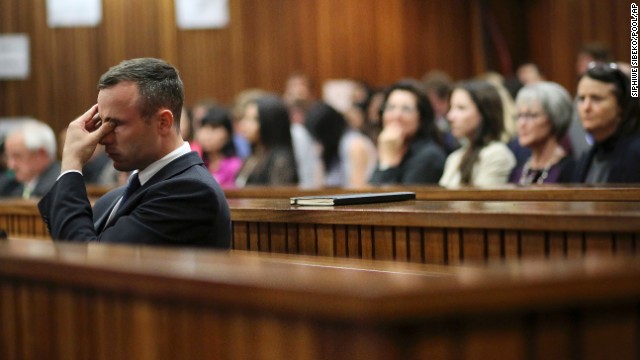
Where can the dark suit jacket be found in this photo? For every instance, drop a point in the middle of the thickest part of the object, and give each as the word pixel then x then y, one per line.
pixel 180 205
pixel 622 152
pixel 45 182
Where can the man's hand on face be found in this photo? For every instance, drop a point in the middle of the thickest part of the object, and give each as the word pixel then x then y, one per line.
pixel 83 135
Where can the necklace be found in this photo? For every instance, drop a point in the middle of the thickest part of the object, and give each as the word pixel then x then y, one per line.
pixel 538 176
pixel 529 176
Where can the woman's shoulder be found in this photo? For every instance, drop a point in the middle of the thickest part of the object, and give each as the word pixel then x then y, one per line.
pixel 497 151
pixel 496 148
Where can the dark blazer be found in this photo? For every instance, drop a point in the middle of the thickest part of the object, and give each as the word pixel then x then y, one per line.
pixel 180 205
pixel 45 182
pixel 623 153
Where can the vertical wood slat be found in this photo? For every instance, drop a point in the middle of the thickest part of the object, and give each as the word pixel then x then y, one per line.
pixel 353 241
pixel 473 245
pixel 293 239
pixel 307 244
pixel 240 239
pixel 434 246
pixel 599 243
pixel 418 249
pixel 454 241
pixel 341 241
pixel 553 336
pixel 400 248
pixel 278 234
pixel 610 334
pixel 383 243
pixel 325 238
pixel 506 337
pixel 533 244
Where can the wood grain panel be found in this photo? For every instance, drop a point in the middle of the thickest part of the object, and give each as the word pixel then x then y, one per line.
pixel 378 41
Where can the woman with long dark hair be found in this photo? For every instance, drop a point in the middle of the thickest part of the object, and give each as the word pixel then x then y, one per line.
pixel 476 117
pixel 265 125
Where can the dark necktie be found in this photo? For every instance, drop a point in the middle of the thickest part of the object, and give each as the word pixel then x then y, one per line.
pixel 132 186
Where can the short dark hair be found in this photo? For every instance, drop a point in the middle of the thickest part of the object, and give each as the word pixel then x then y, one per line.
pixel 218 117
pixel 610 73
pixel 426 128
pixel 159 85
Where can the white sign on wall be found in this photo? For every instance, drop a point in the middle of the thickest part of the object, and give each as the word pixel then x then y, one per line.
pixel 14 56
pixel 74 13
pixel 202 14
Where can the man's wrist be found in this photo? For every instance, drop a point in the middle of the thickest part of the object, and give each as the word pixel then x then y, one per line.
pixel 69 165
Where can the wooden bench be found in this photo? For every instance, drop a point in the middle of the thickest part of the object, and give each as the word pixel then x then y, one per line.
pixel 432 232
pixel 21 218
pixel 438 232
pixel 509 192
pixel 91 301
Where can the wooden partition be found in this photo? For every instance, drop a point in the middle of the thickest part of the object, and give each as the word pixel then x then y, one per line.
pixel 71 301
pixel 21 218
pixel 508 192
pixel 438 232
pixel 432 232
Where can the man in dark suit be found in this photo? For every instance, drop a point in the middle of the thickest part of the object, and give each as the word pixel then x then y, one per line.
pixel 31 156
pixel 137 118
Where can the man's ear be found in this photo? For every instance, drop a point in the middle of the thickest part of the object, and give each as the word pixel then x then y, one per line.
pixel 165 121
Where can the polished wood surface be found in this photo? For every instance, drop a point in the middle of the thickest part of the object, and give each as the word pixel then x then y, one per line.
pixel 507 192
pixel 96 301
pixel 438 232
pixel 432 232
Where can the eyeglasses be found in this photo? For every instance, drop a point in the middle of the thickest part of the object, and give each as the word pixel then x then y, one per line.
pixel 405 109
pixel 527 116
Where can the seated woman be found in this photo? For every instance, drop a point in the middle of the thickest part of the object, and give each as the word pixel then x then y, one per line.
pixel 477 122
pixel 610 115
pixel 265 125
pixel 544 114
pixel 408 148
pixel 215 136
pixel 348 156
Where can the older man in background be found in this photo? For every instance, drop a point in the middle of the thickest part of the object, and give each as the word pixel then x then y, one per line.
pixel 31 154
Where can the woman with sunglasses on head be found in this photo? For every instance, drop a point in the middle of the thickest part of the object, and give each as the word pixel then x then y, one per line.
pixel 476 117
pixel 409 151
pixel 610 115
pixel 544 113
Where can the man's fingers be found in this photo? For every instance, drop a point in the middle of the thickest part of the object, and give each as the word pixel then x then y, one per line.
pixel 88 118
pixel 103 130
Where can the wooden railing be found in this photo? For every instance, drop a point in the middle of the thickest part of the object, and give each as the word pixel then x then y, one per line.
pixel 93 301
pixel 432 232
pixel 438 232
pixel 509 192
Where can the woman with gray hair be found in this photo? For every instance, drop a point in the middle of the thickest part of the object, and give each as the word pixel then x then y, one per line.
pixel 544 113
